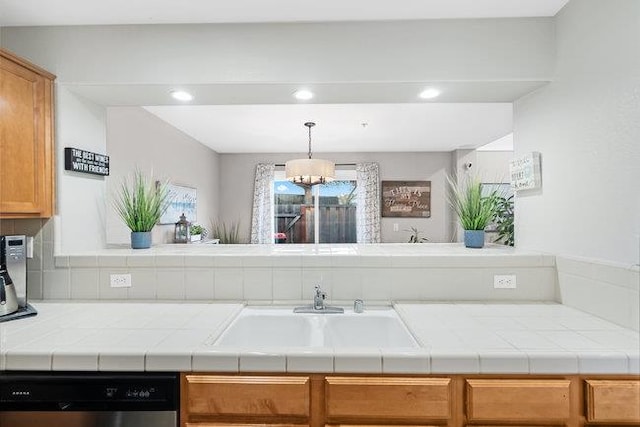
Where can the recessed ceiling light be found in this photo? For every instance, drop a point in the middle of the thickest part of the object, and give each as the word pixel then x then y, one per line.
pixel 181 95
pixel 303 94
pixel 429 93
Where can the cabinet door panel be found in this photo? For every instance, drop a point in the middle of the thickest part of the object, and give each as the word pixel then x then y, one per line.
pixel 26 141
pixel 518 400
pixel 613 400
pixel 406 399
pixel 264 396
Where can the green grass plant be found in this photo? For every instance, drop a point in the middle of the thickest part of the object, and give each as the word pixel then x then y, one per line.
pixel 474 210
pixel 141 201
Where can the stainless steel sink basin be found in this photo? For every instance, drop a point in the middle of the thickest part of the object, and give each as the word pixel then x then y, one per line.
pixel 257 327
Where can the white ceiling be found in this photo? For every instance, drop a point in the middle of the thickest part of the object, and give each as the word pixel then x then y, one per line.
pixel 390 127
pixel 104 12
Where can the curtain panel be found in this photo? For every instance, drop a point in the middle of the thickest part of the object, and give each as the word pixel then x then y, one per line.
pixel 368 200
pixel 262 218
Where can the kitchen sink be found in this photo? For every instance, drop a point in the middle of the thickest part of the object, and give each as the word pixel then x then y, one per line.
pixel 258 327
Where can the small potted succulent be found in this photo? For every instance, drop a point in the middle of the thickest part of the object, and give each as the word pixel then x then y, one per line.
pixel 475 210
pixel 198 232
pixel 140 202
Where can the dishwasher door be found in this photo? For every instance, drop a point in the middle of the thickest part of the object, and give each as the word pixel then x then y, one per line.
pixel 88 419
pixel 73 399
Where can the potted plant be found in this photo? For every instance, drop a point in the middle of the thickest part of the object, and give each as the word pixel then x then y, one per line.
pixel 140 202
pixel 415 236
pixel 198 232
pixel 227 234
pixel 474 209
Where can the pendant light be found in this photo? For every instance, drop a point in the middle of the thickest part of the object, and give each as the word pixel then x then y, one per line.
pixel 309 172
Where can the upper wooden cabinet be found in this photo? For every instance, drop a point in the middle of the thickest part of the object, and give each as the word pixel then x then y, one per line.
pixel 26 139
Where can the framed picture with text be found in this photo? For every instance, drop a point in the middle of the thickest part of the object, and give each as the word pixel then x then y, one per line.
pixel 410 199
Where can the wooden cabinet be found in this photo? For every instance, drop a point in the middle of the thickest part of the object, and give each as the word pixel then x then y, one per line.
pixel 613 401
pixel 318 400
pixel 26 139
pixel 209 400
pixel 397 399
pixel 518 400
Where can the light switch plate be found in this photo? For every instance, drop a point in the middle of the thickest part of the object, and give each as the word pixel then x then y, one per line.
pixel 120 280
pixel 504 281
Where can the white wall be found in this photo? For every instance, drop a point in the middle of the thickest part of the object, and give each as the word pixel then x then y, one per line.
pixel 493 166
pixel 80 198
pixel 586 125
pixel 138 139
pixel 237 174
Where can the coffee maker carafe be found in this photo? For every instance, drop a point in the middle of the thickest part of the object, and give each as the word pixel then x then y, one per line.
pixel 8 297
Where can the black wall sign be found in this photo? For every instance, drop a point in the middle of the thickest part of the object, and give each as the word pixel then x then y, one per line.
pixel 85 161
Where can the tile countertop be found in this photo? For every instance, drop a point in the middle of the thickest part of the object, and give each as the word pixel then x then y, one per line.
pixel 455 338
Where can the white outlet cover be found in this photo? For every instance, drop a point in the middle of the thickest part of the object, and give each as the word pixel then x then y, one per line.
pixel 120 280
pixel 504 281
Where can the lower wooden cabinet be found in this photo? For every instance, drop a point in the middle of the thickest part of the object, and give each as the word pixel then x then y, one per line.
pixel 395 399
pixel 316 400
pixel 209 400
pixel 517 400
pixel 613 401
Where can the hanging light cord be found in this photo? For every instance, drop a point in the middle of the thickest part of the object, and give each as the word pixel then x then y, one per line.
pixel 309 125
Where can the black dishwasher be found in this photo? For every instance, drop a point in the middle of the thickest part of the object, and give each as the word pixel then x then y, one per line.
pixel 72 399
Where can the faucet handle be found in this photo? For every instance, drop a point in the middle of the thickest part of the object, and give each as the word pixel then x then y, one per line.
pixel 358 306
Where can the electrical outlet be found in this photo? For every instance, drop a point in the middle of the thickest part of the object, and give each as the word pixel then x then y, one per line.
pixel 120 280
pixel 506 281
pixel 395 227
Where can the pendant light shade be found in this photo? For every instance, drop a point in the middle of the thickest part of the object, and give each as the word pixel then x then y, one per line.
pixel 308 172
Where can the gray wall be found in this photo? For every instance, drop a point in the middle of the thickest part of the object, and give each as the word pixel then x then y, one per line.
pixel 138 139
pixel 237 173
pixel 586 125
pixel 449 49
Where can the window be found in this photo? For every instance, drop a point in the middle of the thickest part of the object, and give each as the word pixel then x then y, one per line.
pixel 295 210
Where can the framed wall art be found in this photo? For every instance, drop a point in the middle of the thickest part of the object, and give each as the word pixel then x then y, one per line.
pixel 183 200
pixel 410 199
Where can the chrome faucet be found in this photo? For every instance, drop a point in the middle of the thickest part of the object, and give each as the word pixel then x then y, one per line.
pixel 318 305
pixel 318 298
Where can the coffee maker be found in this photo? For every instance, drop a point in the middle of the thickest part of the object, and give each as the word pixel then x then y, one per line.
pixel 17 251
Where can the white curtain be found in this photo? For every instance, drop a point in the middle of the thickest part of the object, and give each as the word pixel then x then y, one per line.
pixel 262 218
pixel 368 200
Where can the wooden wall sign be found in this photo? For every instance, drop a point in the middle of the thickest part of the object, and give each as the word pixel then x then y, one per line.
pixel 406 199
pixel 83 161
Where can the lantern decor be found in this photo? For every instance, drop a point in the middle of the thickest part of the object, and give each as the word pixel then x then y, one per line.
pixel 183 230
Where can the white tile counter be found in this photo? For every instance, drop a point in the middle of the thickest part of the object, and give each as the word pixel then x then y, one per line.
pixel 455 338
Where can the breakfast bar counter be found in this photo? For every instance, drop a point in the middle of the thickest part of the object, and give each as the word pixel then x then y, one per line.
pixel 512 338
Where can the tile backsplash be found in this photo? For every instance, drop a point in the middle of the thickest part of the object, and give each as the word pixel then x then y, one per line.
pixel 285 277
pixel 379 274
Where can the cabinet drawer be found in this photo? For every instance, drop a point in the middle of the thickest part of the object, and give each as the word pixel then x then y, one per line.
pixel 262 396
pixel 518 400
pixel 388 398
pixel 613 400
pixel 242 425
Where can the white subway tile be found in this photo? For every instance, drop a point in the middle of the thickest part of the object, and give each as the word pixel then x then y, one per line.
pixel 287 283
pixel 258 284
pixel 143 284
pixel 170 284
pixel 56 284
pixel 84 283
pixel 199 284
pixel 228 283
